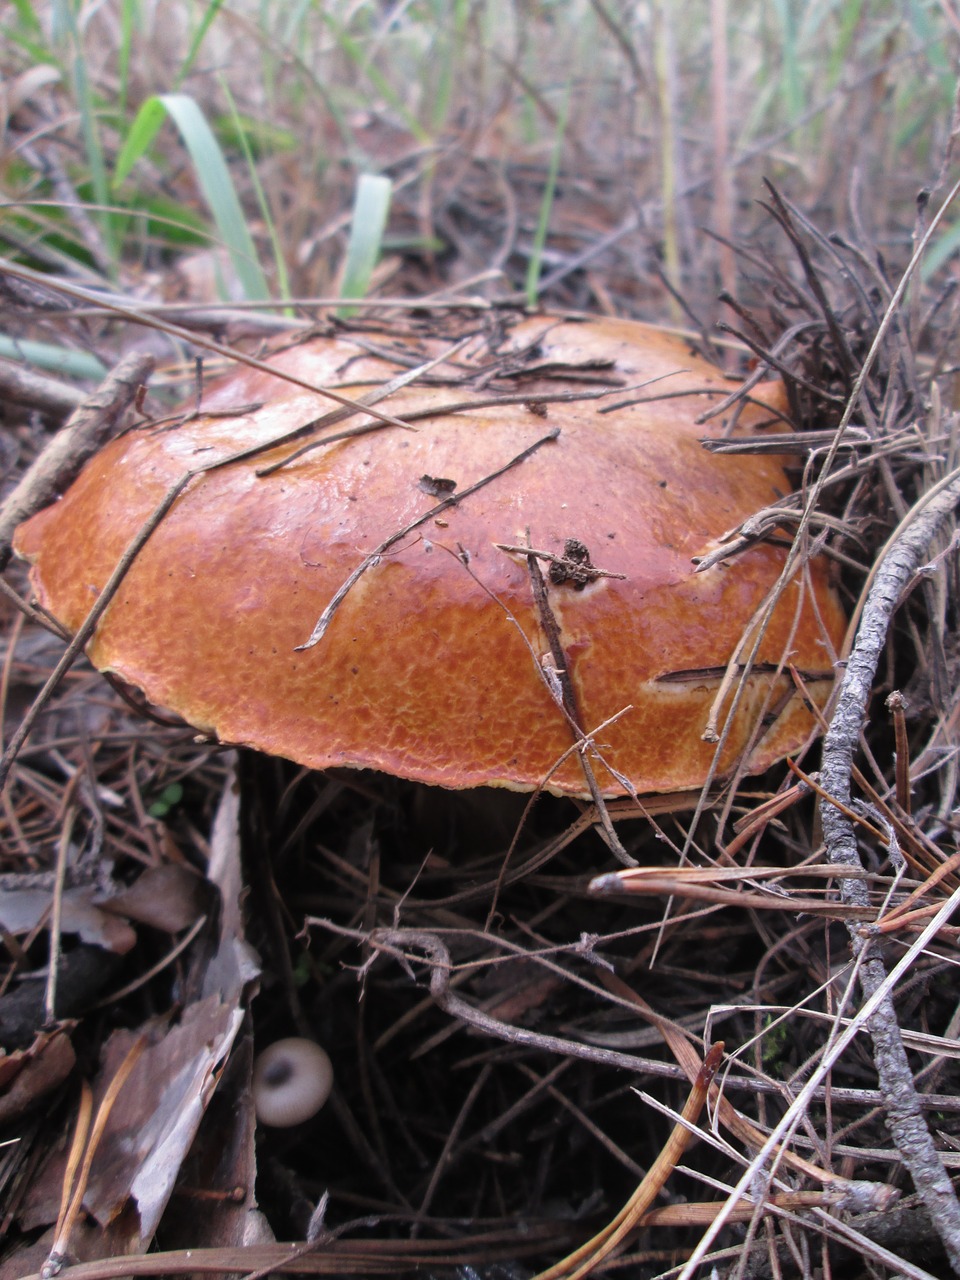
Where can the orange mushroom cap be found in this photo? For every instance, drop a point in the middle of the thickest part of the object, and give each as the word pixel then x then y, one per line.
pixel 432 665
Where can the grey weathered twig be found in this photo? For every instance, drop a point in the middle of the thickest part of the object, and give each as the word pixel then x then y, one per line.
pixel 901 560
pixel 93 423
pixel 24 386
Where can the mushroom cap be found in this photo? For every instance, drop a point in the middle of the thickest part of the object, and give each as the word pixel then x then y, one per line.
pixel 292 1080
pixel 432 664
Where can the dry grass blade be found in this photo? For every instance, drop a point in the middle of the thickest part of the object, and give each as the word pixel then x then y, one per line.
pixel 907 909
pixel 78 1145
pixel 332 1258
pixel 591 1254
pixel 798 1108
pixel 896 704
pixel 702 1214
pixel 861 1195
pixel 703 884
pixel 78 1171
pixel 56 914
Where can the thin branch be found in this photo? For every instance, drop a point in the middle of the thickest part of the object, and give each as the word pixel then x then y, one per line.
pixel 24 386
pixel 87 430
pixel 902 557
pixel 754 1173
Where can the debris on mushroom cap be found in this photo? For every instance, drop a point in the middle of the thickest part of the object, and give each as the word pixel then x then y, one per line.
pixel 433 664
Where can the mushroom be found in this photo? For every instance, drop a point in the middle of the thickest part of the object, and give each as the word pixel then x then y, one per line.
pixel 440 659
pixel 292 1080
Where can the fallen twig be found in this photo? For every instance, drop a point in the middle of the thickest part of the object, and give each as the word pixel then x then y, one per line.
pixel 88 429
pixel 756 1171
pixel 24 386
pixel 902 558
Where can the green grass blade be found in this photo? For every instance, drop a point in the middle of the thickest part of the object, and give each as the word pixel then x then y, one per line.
pixel 283 278
pixel 371 205
pixel 27 16
pixel 219 192
pixel 145 127
pixel 129 16
pixel 376 77
pixel 210 12
pixel 792 81
pixel 546 204
pixel 62 360
pixel 91 134
pixel 943 248
pixel 450 53
pixel 65 25
pixel 212 174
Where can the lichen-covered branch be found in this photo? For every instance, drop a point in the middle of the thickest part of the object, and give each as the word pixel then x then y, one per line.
pixel 904 1117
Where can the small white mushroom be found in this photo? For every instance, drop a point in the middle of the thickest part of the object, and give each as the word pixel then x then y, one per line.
pixel 291 1082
